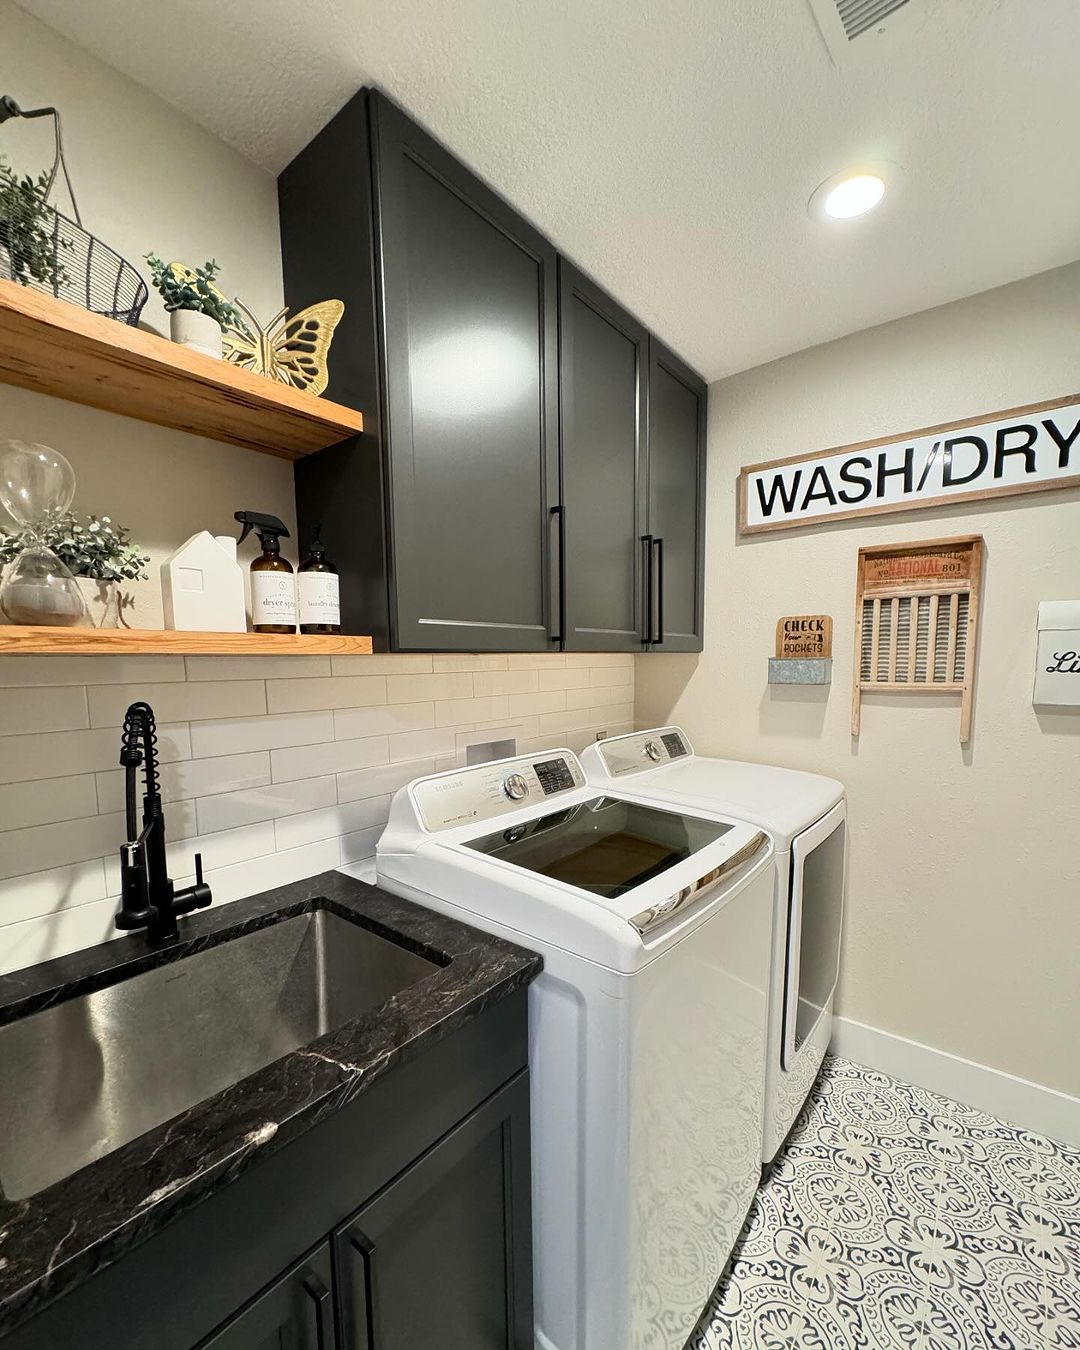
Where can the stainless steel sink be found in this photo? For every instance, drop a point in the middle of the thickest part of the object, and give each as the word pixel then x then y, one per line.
pixel 82 1078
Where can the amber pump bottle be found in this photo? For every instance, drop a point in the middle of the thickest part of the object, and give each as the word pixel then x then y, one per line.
pixel 318 600
pixel 273 586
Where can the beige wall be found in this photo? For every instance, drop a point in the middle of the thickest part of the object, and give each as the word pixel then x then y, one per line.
pixel 963 925
pixel 147 178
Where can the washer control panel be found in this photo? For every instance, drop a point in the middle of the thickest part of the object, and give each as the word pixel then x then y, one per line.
pixel 487 791
pixel 622 755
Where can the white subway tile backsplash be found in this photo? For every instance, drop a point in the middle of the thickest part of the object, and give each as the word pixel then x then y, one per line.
pixel 231 809
pixel 25 711
pixel 454 711
pixel 565 677
pixel 386 779
pixel 351 723
pixel 331 822
pixel 456 661
pixel 186 702
pixel 50 891
pixel 360 845
pixel 422 744
pixel 309 761
pixel 392 663
pixel 235 735
pixel 47 799
pixel 53 670
pixel 273 767
pixel 256 667
pixel 350 691
pixel 192 778
pixel 505 682
pixel 414 688
pixel 549 701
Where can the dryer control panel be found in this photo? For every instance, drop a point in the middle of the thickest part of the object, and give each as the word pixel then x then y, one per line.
pixel 487 791
pixel 622 755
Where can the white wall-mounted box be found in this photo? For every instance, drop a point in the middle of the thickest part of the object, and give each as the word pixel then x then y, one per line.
pixel 1057 656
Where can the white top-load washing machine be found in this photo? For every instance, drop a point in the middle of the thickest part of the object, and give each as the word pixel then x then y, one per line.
pixel 647 1024
pixel 806 815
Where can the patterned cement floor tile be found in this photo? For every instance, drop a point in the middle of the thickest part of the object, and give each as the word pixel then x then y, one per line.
pixel 896 1219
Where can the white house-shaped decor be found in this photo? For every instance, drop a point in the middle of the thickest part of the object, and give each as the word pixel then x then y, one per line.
pixel 202 586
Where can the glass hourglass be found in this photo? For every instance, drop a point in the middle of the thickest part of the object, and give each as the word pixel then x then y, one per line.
pixel 37 485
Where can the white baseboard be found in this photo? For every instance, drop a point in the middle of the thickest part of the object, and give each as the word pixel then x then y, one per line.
pixel 1027 1105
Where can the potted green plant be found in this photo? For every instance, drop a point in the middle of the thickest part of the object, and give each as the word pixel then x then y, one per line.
pixel 198 311
pixel 100 554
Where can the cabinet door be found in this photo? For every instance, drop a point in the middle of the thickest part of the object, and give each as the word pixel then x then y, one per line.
pixel 603 368
pixel 468 305
pixel 443 1257
pixel 675 540
pixel 295 1313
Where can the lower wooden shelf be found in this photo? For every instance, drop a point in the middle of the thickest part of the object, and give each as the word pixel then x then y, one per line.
pixel 15 638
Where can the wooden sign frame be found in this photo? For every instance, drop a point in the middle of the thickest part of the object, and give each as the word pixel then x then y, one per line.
pixel 906 646
pixel 1015 450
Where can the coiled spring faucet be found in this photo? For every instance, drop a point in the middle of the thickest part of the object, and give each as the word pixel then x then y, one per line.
pixel 148 897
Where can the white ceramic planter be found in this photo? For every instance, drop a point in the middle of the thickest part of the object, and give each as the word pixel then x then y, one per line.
pixel 103 601
pixel 202 332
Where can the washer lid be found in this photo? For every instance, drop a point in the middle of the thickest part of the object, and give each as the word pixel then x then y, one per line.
pixel 783 801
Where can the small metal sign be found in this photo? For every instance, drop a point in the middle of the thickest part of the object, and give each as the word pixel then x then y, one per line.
pixel 1035 448
pixel 804 636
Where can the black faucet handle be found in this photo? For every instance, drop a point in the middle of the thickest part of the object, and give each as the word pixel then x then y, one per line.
pixel 193 897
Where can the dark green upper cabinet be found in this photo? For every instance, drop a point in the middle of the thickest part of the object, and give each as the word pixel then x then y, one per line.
pixel 603 374
pixel 467 294
pixel 675 532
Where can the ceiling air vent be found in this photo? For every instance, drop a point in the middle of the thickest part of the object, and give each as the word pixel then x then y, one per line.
pixel 842 21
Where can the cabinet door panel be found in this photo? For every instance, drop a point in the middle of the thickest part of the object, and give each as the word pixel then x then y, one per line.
pixel 603 356
pixel 295 1313
pixel 677 414
pixel 468 299
pixel 442 1257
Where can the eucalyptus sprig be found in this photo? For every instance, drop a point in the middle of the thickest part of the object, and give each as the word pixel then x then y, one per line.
pixel 193 288
pixel 97 548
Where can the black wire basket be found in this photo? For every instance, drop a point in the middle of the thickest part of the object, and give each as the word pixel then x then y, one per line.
pixel 42 248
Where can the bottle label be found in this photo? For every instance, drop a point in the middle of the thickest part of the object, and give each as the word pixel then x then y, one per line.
pixel 273 598
pixel 319 602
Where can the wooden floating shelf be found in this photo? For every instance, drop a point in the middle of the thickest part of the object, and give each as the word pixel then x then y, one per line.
pixel 15 639
pixel 57 348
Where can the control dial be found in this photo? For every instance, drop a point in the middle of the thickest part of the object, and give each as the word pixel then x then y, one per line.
pixel 654 752
pixel 515 787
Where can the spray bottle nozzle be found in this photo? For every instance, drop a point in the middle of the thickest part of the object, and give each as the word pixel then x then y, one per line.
pixel 269 528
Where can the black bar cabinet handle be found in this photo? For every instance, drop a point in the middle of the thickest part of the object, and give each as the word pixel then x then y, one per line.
pixel 320 1297
pixel 557 514
pixel 658 544
pixel 646 587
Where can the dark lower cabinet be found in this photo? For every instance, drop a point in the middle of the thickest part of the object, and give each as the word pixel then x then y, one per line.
pixel 295 1313
pixel 674 542
pixel 440 1258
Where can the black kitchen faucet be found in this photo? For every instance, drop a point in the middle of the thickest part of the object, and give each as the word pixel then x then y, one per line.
pixel 148 897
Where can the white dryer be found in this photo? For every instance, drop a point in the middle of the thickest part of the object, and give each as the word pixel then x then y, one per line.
pixel 806 815
pixel 647 1024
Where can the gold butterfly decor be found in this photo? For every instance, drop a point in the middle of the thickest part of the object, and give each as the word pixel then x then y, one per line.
pixel 291 350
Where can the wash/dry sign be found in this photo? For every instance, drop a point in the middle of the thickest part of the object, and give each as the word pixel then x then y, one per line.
pixel 1031 449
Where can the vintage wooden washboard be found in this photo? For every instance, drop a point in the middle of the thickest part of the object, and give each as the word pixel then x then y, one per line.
pixel 916 621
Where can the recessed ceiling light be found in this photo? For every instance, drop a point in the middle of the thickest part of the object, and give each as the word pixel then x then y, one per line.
pixel 845 196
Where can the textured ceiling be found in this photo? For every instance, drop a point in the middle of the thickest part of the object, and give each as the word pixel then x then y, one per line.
pixel 670 148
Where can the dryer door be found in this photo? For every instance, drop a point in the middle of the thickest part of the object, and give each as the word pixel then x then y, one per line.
pixel 815 915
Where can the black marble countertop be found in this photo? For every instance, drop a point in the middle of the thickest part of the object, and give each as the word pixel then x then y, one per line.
pixel 76 1227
